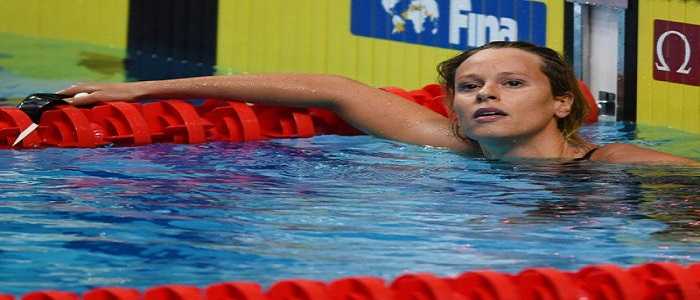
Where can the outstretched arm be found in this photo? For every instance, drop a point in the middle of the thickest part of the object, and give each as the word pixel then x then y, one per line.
pixel 371 110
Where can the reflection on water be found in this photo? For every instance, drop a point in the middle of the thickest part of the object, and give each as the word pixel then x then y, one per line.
pixel 323 208
pixel 106 65
pixel 33 65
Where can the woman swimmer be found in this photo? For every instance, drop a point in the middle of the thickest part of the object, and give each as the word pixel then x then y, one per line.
pixel 509 100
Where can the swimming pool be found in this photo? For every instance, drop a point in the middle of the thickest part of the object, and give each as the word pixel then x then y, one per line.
pixel 327 207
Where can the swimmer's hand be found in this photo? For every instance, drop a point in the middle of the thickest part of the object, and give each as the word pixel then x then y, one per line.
pixel 86 94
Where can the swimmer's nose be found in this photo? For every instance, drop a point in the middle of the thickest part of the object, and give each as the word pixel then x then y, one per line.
pixel 487 92
pixel 482 97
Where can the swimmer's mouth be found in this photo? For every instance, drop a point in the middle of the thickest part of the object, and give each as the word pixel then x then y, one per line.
pixel 488 112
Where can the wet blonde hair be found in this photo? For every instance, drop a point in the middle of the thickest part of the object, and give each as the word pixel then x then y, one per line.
pixel 562 82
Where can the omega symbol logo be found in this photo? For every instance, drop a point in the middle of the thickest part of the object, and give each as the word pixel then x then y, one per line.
pixel 662 65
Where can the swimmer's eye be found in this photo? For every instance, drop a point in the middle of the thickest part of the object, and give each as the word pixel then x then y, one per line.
pixel 468 86
pixel 513 83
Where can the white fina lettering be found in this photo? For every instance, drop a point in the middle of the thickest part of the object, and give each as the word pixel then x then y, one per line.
pixel 480 28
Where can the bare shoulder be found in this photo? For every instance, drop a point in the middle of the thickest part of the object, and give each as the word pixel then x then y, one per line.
pixel 633 154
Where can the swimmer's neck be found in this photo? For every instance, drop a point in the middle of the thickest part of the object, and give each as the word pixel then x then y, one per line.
pixel 542 145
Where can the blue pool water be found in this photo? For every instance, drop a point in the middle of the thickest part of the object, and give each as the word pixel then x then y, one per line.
pixel 324 208
pixel 318 208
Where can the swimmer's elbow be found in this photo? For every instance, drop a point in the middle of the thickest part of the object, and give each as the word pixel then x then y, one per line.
pixel 345 93
pixel 342 85
pixel 336 89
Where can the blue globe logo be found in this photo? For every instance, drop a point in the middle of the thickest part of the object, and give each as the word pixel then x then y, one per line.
pixel 417 15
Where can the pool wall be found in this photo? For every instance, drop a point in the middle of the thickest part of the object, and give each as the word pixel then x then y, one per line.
pixel 322 36
pixel 319 36
pixel 271 36
pixel 94 22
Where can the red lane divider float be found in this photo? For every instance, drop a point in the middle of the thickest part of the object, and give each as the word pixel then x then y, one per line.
pixel 485 285
pixel 174 121
pixel 593 109
pixel 12 122
pixel 651 281
pixel 547 283
pixel 235 291
pixel 283 122
pixel 177 121
pixel 609 282
pixel 114 293
pixel 360 288
pixel 174 292
pixel 667 281
pixel 231 121
pixel 120 123
pixel 298 289
pixel 68 126
pixel 51 295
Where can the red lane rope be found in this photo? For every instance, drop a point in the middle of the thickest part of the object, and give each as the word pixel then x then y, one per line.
pixel 650 281
pixel 176 121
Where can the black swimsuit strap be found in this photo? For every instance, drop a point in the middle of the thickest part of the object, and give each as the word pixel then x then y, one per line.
pixel 587 156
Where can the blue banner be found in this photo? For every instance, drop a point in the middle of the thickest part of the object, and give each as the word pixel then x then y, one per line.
pixel 454 24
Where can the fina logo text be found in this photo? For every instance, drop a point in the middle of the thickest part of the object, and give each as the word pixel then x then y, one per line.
pixel 455 24
pixel 481 28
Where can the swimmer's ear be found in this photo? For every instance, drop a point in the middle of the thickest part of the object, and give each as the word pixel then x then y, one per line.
pixel 563 104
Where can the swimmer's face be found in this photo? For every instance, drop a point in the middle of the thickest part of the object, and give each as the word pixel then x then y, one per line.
pixel 503 94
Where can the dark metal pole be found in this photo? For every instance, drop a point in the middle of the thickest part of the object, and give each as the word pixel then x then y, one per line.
pixel 629 108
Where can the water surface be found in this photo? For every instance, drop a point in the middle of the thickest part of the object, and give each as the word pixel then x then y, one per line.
pixel 323 208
